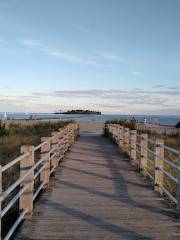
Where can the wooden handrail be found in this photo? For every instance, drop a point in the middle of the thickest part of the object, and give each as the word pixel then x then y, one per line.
pixel 139 145
pixel 53 150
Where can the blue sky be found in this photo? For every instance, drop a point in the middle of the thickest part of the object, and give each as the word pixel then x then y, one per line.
pixel 117 56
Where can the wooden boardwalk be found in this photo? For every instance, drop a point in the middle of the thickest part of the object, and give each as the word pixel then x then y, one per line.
pixel 96 194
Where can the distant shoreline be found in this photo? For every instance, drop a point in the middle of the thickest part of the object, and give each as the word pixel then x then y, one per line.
pixel 165 120
pixel 81 112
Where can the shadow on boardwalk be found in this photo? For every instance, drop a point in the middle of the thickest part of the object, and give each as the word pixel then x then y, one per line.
pixel 96 194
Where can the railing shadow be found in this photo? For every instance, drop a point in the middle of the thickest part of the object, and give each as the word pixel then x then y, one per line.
pixel 110 154
pixel 100 223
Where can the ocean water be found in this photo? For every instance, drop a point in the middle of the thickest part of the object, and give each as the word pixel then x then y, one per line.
pixel 158 119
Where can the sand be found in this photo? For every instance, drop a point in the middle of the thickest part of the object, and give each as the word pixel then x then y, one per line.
pixel 159 128
pixel 91 127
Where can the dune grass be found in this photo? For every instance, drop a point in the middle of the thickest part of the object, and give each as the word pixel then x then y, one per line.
pixel 11 140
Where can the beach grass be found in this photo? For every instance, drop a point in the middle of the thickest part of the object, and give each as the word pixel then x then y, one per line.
pixel 12 138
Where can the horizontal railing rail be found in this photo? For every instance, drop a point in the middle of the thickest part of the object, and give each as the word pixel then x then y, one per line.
pixel 52 150
pixel 151 156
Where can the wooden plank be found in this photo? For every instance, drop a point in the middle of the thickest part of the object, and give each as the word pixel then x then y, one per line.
pixel 96 194
pixel 26 199
pixel 159 176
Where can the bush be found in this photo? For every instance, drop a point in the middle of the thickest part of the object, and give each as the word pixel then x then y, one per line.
pixel 3 130
pixel 177 125
pixel 124 122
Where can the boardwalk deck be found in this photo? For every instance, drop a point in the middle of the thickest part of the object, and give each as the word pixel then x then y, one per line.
pixel 96 194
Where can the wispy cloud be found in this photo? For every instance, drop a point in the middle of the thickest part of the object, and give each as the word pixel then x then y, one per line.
pixel 174 88
pixel 111 57
pixel 135 100
pixel 122 101
pixel 108 93
pixel 32 44
pixel 159 86
pixel 63 55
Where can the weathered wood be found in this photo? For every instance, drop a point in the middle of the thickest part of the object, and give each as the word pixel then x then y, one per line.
pixel 117 133
pixel 133 137
pixel 126 140
pixel 62 146
pixel 26 199
pixel 143 158
pixel 96 194
pixel 54 142
pixel 44 151
pixel 121 137
pixel 158 175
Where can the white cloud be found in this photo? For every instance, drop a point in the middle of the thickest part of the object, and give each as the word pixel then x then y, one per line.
pixel 67 56
pixel 31 43
pixel 111 101
pixel 135 100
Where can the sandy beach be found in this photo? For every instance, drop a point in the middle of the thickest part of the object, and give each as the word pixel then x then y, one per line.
pixel 91 127
pixel 159 128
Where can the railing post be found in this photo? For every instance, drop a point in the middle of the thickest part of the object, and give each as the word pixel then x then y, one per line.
pixel 133 138
pixel 77 130
pixel 121 137
pixel 158 175
pixel 144 153
pixel 26 199
pixel 61 147
pixel 178 189
pixel 117 134
pixel 45 154
pixel 54 142
pixel 114 132
pixel 66 139
pixel 110 128
pixel 126 140
pixel 71 137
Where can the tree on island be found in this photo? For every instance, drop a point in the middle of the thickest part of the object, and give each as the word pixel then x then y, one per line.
pixel 80 111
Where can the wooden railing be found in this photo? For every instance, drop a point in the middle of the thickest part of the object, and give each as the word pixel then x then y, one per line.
pixel 149 156
pixel 51 151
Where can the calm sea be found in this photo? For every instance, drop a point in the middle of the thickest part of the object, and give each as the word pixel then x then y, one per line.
pixel 159 119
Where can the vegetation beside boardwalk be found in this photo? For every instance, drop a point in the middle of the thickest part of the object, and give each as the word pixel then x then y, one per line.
pixel 171 140
pixel 16 135
pixel 11 140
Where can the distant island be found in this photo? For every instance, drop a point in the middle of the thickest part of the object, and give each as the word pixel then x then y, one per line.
pixel 79 111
